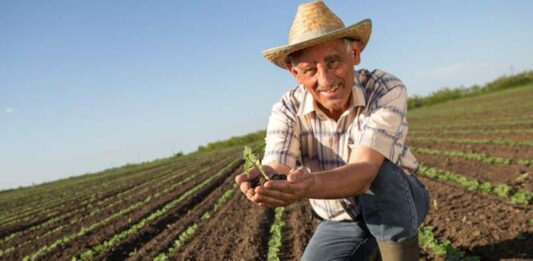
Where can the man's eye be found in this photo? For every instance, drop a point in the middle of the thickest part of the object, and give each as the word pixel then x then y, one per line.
pixel 309 71
pixel 334 64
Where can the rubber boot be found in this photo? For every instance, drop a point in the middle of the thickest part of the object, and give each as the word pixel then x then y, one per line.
pixel 400 251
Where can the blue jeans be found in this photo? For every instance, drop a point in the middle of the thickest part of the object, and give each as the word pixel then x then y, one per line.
pixel 335 240
pixel 392 209
pixel 395 205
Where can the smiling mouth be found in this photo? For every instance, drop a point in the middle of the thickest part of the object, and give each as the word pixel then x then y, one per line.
pixel 337 85
pixel 331 90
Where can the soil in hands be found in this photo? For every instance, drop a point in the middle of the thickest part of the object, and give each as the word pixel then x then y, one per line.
pixel 260 181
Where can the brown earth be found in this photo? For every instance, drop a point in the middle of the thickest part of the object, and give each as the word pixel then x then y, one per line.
pixel 298 229
pixel 130 195
pixel 495 174
pixel 160 235
pixel 92 238
pixel 515 153
pixel 482 136
pixel 239 231
pixel 479 224
pixel 43 214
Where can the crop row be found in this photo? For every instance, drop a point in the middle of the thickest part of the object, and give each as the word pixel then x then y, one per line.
pixel 40 198
pixel 473 131
pixel 54 206
pixel 190 230
pixel 108 204
pixel 115 240
pixel 90 208
pixel 70 190
pixel 83 207
pixel 501 190
pixel 440 248
pixel 86 229
pixel 475 119
pixel 476 141
pixel 274 242
pixel 451 126
pixel 471 156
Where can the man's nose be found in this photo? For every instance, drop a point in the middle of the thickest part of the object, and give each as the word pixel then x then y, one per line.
pixel 325 76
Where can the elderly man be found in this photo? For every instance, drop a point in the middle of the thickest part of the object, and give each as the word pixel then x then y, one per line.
pixel 340 139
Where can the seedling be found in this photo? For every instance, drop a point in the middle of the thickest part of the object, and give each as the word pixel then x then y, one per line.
pixel 250 161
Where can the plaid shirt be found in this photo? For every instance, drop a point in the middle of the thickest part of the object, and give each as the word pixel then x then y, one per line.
pixel 299 133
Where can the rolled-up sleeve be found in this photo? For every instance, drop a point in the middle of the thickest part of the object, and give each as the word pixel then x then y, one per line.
pixel 282 137
pixel 383 130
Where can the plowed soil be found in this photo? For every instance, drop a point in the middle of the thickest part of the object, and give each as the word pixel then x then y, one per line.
pixel 480 225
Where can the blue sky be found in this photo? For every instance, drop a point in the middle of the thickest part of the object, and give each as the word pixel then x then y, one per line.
pixel 88 85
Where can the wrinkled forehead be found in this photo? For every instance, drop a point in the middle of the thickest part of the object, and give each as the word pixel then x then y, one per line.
pixel 317 51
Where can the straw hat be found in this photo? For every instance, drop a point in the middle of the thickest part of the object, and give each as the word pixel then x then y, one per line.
pixel 314 24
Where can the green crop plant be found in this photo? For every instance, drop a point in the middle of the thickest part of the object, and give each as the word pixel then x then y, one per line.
pixel 84 230
pixel 522 177
pixel 501 190
pixel 275 235
pixel 465 155
pixel 117 238
pixel 477 141
pixel 187 233
pixel 440 248
pixel 250 161
pixel 485 187
pixel 525 162
pixel 522 197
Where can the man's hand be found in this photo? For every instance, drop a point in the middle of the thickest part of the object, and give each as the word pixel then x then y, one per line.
pixel 244 180
pixel 278 193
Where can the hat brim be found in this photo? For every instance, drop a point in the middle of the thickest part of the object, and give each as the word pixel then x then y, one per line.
pixel 360 31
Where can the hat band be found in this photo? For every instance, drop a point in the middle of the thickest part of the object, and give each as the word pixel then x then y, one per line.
pixel 313 34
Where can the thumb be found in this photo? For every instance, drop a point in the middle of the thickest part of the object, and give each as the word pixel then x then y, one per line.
pixel 296 175
pixel 244 177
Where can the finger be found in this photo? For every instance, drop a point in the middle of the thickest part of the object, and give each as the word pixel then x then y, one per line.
pixel 271 202
pixel 250 194
pixel 286 197
pixel 245 186
pixel 280 185
pixel 299 175
pixel 243 177
pixel 263 205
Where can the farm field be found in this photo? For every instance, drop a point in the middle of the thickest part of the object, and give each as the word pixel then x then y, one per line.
pixel 477 164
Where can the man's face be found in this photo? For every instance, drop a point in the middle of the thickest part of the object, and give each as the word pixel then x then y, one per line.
pixel 326 71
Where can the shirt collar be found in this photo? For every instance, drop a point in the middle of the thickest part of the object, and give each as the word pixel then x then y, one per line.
pixel 357 99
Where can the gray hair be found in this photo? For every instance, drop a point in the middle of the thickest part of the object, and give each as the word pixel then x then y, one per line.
pixel 347 45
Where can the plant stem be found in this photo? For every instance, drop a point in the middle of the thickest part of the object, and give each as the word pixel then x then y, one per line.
pixel 259 167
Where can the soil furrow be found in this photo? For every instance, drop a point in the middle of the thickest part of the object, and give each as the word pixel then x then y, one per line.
pixel 514 153
pixel 75 246
pixel 298 230
pixel 478 224
pixel 184 209
pixel 495 174
pixel 239 231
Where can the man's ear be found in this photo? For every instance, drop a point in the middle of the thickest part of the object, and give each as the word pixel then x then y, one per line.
pixel 294 72
pixel 356 48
